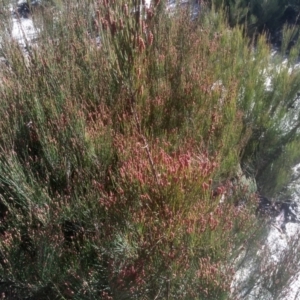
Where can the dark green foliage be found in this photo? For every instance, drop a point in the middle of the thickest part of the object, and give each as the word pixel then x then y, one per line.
pixel 261 16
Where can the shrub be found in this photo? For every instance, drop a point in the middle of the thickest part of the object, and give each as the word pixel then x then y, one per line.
pixel 119 159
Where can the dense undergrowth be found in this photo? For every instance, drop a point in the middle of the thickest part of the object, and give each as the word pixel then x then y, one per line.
pixel 120 160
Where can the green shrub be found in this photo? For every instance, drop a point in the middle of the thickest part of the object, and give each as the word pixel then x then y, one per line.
pixel 119 159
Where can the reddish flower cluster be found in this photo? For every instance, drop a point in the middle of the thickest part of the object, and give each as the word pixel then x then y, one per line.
pixel 179 168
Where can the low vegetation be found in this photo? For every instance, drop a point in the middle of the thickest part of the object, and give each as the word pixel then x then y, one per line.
pixel 123 133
